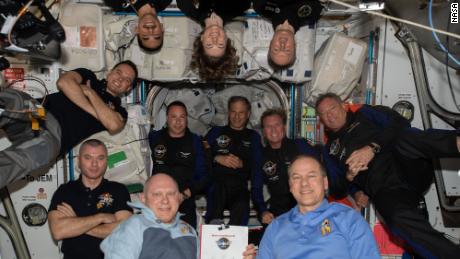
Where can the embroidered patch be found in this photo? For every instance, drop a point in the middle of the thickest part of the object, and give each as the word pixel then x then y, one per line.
pixel 159 151
pixel 335 147
pixel 246 143
pixel 185 229
pixel 325 227
pixel 184 155
pixel 223 141
pixel 269 168
pixel 353 126
pixel 304 11
pixel 105 200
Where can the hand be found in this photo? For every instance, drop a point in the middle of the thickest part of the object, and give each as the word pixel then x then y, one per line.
pixel 351 175
pixel 230 161
pixel 66 209
pixel 361 199
pixel 267 217
pixel 185 195
pixel 86 88
pixel 359 159
pixel 106 218
pixel 250 252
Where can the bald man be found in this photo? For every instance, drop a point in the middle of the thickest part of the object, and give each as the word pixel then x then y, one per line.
pixel 314 226
pixel 158 231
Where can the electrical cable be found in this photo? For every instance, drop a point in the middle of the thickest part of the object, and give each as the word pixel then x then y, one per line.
pixel 396 19
pixel 435 36
pixel 28 78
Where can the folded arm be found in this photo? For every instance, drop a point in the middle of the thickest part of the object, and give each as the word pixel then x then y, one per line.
pixel 103 230
pixel 64 223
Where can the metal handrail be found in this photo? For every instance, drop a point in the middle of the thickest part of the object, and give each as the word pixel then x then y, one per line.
pixel 11 226
pixel 428 105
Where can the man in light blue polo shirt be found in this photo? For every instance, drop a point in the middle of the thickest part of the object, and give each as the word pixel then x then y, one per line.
pixel 316 228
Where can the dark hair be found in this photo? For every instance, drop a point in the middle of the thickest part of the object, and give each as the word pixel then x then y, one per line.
pixel 93 143
pixel 176 103
pixel 212 68
pixel 302 156
pixel 236 98
pixel 274 111
pixel 132 65
pixel 325 96
pixel 147 49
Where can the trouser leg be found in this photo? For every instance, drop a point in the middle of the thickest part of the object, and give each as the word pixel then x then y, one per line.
pixel 432 143
pixel 216 202
pixel 14 102
pixel 399 209
pixel 29 151
pixel 188 208
pixel 239 207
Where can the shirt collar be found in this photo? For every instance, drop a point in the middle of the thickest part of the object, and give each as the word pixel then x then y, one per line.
pixel 83 187
pixel 148 213
pixel 310 217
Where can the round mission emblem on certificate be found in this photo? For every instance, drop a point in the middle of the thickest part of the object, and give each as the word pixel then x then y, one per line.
pixel 223 243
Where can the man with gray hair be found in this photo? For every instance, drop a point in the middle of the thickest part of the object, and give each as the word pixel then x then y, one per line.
pixel 236 152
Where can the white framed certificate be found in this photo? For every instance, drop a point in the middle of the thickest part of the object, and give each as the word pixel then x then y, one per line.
pixel 223 242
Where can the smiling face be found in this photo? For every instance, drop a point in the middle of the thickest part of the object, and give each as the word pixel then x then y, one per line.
pixel 332 114
pixel 238 115
pixel 162 196
pixel 120 79
pixel 282 47
pixel 274 130
pixel 150 31
pixel 307 183
pixel 214 41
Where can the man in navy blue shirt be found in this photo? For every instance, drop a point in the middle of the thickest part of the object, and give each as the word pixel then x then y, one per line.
pixel 377 150
pixel 179 153
pixel 236 152
pixel 276 158
pixel 85 211
pixel 83 106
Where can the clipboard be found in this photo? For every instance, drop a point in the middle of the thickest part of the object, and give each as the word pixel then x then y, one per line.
pixel 223 241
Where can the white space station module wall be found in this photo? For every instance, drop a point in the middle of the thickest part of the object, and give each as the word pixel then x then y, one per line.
pixel 97 40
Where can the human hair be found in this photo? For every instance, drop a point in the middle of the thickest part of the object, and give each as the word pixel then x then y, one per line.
pixel 274 111
pixel 213 68
pixel 92 143
pixel 237 98
pixel 322 169
pixel 176 103
pixel 147 49
pixel 132 65
pixel 325 96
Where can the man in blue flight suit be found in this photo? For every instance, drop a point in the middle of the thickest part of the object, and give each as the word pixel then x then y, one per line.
pixel 373 148
pixel 179 152
pixel 276 158
pixel 236 152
